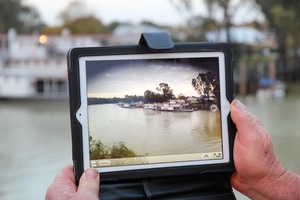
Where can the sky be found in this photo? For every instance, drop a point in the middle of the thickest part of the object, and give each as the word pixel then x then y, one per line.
pixel 108 79
pixel 162 12
pixel 113 83
pixel 159 11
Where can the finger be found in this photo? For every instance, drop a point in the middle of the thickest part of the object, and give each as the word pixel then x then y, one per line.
pixel 66 173
pixel 252 143
pixel 236 183
pixel 89 184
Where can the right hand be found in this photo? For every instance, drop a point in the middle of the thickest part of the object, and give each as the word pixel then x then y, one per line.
pixel 259 173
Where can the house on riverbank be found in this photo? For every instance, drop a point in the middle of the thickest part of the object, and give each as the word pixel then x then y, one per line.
pixel 35 66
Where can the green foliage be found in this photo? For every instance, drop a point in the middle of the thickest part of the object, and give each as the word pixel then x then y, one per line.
pixel 205 84
pixel 166 94
pixel 98 150
pixel 54 30
pixel 86 25
pixel 76 9
pixel 166 90
pixel 283 18
pixel 118 150
pixel 13 14
pixel 151 97
pixel 78 20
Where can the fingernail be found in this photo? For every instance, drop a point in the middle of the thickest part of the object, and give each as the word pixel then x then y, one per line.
pixel 238 105
pixel 92 173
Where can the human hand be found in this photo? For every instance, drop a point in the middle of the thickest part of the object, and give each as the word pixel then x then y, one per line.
pixel 259 173
pixel 64 188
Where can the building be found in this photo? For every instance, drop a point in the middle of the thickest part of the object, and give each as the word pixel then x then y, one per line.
pixel 35 66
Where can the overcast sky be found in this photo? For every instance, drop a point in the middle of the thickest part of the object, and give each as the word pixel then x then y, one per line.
pixel 113 78
pixel 162 12
pixel 159 11
pixel 121 81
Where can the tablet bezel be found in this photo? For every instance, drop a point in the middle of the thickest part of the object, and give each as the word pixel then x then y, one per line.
pixel 79 111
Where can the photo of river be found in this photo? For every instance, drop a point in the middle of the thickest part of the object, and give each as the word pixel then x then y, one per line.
pixel 153 108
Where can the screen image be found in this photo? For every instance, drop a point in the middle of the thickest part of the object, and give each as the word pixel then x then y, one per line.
pixel 153 110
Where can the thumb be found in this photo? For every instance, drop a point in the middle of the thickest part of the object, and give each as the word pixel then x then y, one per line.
pixel 89 184
pixel 253 150
pixel 249 128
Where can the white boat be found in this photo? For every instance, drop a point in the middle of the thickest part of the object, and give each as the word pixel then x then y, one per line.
pixel 149 106
pixel 126 105
pixel 176 107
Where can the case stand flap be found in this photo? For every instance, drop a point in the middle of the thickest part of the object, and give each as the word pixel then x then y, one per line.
pixel 157 40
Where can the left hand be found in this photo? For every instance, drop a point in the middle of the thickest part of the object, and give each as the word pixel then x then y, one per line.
pixel 64 187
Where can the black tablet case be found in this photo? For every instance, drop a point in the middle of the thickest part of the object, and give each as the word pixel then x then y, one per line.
pixel 154 42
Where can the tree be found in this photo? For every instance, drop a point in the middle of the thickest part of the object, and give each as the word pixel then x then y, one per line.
pixel 205 84
pixel 283 18
pixel 78 20
pixel 100 151
pixel 151 97
pixel 86 25
pixel 53 30
pixel 75 10
pixel 166 90
pixel 199 23
pixel 13 14
pixel 182 96
pixel 227 15
pixel 119 150
pixel 148 96
pixel 166 94
pixel 97 149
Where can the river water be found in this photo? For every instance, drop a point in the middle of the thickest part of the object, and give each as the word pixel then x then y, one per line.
pixel 155 133
pixel 36 141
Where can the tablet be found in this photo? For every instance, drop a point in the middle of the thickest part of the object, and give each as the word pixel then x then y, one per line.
pixel 139 113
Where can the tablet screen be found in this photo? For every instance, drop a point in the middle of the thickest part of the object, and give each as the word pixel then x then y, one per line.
pixel 153 110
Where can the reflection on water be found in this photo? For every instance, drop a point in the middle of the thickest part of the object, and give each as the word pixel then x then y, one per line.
pixel 281 119
pixel 35 144
pixel 35 141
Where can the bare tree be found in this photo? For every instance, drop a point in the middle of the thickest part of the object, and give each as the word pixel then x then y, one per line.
pixel 217 14
pixel 205 84
pixel 75 10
